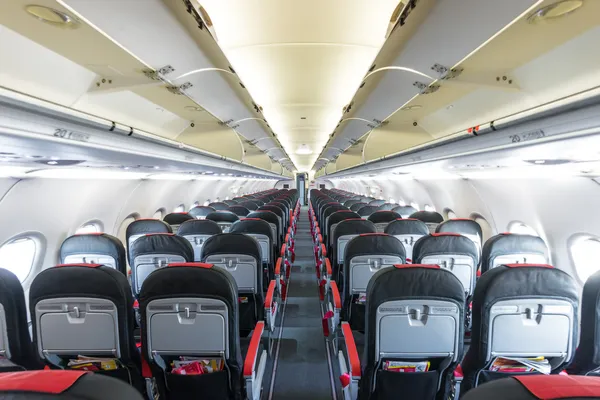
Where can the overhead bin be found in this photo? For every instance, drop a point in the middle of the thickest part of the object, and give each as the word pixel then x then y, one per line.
pixel 419 55
pixel 181 58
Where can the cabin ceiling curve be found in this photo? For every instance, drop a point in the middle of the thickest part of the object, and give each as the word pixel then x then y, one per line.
pixel 301 60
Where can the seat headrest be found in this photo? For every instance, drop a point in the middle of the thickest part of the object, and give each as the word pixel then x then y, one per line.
pixel 431 217
pixel 387 207
pixel 376 244
pixel 252 225
pixel 81 280
pixel 405 210
pixel 278 211
pixel 406 227
pixel 201 211
pixel 414 280
pixel 587 357
pixel 442 244
pixel 524 281
pixel 268 216
pixel 509 243
pixel 250 205
pixel 190 280
pixel 231 243
pixel 219 206
pixel 162 244
pixel 222 216
pixel 367 210
pixel 462 226
pixel 341 215
pixel 380 216
pixel 376 203
pixel 199 227
pixel 143 226
pixel 95 243
pixel 177 218
pixel 355 226
pixel 357 206
pixel 240 211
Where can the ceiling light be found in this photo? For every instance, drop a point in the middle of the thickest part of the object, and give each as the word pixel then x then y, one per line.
pixel 52 162
pixel 156 167
pixel 539 162
pixel 556 10
pixel 303 149
pixel 411 108
pixel 53 17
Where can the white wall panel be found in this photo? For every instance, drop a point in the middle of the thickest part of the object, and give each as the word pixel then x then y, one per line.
pixel 57 207
pixel 553 207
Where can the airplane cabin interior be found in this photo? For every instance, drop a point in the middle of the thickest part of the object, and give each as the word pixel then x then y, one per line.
pixel 276 199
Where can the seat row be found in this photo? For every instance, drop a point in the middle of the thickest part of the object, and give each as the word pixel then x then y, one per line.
pixel 418 313
pixel 211 312
pixel 78 385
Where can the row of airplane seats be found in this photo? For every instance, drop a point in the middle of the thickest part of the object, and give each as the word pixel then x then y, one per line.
pixel 218 307
pixel 521 306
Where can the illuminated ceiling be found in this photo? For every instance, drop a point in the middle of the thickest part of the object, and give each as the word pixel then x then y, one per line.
pixel 302 61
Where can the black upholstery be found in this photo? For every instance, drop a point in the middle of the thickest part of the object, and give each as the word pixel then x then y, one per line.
pixel 509 283
pixel 92 281
pixel 364 245
pixel 219 206
pixel 406 227
pixel 383 216
pixel 97 244
pixel 222 216
pixel 430 217
pixel 387 207
pixel 142 227
pixel 587 356
pixel 405 211
pixel 12 299
pixel 355 226
pixel 367 210
pixel 196 280
pixel 238 210
pixel 376 203
pixel 177 218
pixel 240 244
pixel 201 211
pixel 390 284
pixel 510 243
pixel 461 226
pixel 199 227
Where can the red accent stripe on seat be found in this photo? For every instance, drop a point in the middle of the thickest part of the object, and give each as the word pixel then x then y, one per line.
pixel 47 381
pixel 560 386
pixel 198 265
pixel 430 266
pixel 373 234
pixel 80 265
pixel 444 234
pixel 528 265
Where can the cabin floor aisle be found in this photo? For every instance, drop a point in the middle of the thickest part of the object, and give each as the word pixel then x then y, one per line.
pixel 302 369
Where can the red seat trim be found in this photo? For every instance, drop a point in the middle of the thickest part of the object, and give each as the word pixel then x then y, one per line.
pixel 46 381
pixel 560 386
pixel 198 265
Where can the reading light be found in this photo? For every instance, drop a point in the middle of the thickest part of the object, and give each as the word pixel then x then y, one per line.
pixel 556 10
pixel 52 162
pixel 53 17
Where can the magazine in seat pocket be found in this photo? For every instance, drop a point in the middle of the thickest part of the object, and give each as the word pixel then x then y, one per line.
pixel 411 379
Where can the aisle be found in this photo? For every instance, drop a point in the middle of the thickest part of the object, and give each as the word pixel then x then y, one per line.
pixel 302 366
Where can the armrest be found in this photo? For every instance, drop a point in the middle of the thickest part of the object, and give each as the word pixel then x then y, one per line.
pixel 253 373
pixel 354 360
pixel 252 355
pixel 283 249
pixel 335 293
pixel 332 315
pixel 271 306
pixel 328 270
pixel 279 278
